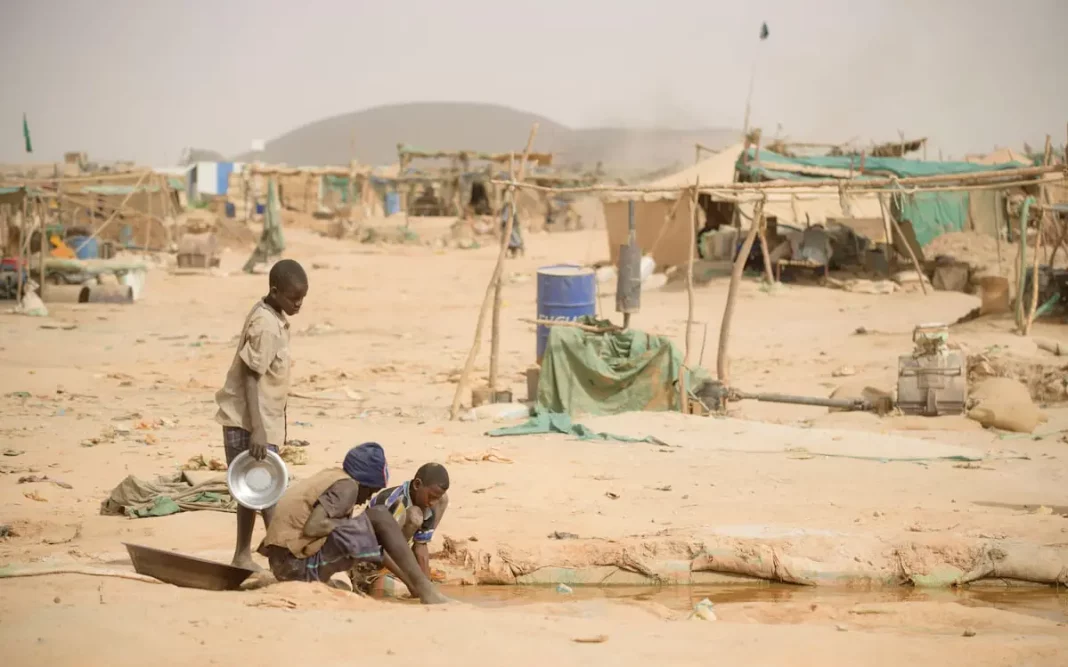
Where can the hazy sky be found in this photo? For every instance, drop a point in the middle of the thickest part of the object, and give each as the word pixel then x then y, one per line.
pixel 142 79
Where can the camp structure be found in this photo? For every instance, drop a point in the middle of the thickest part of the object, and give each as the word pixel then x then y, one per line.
pixel 799 192
pixel 664 217
pixel 457 182
pixel 929 213
pixel 130 210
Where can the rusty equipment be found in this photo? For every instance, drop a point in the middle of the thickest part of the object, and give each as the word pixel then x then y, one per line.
pixel 628 275
pixel 715 396
pixel 932 380
pixel 186 571
pixel 198 251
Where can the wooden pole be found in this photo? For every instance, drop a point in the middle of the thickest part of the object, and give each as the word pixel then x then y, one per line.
pixel 120 207
pixel 495 321
pixel 23 265
pixel 476 343
pixel 997 227
pixel 43 245
pixel 905 242
pixel 1034 280
pixel 148 225
pixel 766 252
pixel 683 394
pixel 996 178
pixel 722 362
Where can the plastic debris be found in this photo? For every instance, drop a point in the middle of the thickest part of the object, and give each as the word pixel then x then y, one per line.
pixel 703 611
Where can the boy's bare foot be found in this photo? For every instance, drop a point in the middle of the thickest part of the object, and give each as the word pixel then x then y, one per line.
pixel 434 596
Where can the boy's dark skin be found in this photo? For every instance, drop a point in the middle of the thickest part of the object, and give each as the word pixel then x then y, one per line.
pixel 396 555
pixel 284 298
pixel 424 496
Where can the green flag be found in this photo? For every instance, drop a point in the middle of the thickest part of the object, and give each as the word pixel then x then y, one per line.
pixel 764 31
pixel 26 133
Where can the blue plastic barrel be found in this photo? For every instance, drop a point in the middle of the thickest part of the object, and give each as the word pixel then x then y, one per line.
pixel 84 247
pixel 231 210
pixel 565 292
pixel 392 203
pixel 260 208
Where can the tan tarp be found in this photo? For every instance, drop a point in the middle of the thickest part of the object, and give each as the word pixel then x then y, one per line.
pixel 669 246
pixel 999 156
pixel 715 170
pixel 815 206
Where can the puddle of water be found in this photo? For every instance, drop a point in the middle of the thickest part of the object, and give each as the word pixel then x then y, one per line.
pixel 1046 603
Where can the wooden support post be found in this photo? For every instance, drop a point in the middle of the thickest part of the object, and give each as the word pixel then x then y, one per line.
pixel 683 391
pixel 120 207
pixel 997 226
pixel 43 250
pixel 495 321
pixel 148 223
pixel 1034 280
pixel 22 263
pixel 722 362
pixel 476 343
pixel 769 274
pixel 905 242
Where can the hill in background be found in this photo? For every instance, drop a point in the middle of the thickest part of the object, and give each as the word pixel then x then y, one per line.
pixel 372 135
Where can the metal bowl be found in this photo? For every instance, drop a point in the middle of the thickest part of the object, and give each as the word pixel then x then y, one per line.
pixel 187 571
pixel 254 484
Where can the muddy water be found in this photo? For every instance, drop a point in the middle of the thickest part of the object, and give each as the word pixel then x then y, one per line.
pixel 1046 603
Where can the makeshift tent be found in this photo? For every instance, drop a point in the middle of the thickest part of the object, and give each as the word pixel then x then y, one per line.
pixel 930 213
pixel 671 246
pixel 768 166
pixel 585 373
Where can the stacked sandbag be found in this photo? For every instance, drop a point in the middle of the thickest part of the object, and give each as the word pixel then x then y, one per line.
pixel 1005 404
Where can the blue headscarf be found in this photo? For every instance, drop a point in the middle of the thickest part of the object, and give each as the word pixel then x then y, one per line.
pixel 366 464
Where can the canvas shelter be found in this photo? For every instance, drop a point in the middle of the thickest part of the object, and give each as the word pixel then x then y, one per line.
pixel 663 222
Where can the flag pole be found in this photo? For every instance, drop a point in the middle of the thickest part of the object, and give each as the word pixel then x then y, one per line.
pixel 752 78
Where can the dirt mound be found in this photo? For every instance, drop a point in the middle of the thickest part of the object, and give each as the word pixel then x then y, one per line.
pixel 1046 382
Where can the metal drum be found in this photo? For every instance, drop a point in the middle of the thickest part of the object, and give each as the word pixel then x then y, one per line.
pixel 565 292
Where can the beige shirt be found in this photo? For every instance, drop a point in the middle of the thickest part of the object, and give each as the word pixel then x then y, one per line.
pixel 264 349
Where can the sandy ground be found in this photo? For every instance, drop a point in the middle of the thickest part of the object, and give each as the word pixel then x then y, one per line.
pixel 393 324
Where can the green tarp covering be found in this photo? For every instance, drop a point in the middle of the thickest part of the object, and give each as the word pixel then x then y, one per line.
pixel 932 213
pixel 896 166
pixel 338 184
pixel 548 422
pixel 585 373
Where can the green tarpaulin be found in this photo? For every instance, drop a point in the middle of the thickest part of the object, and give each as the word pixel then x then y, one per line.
pixel 874 167
pixel 548 422
pixel 931 213
pixel 585 373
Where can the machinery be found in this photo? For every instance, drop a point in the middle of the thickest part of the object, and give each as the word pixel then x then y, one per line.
pixel 715 396
pixel 933 380
pixel 198 251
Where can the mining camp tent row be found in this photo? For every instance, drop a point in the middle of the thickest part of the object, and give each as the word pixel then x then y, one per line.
pixel 931 213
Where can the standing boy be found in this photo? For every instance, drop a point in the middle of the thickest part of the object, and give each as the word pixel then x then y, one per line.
pixel 252 402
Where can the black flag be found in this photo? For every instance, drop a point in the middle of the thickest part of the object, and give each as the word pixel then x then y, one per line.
pixel 764 30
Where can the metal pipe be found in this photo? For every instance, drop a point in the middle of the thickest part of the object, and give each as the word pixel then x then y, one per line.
pixel 110 294
pixel 64 293
pixel 844 404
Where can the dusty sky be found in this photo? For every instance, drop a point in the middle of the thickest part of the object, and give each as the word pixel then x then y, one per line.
pixel 144 79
